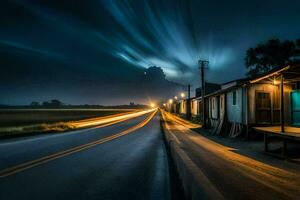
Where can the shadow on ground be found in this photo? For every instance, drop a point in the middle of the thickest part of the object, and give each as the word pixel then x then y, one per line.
pixel 254 148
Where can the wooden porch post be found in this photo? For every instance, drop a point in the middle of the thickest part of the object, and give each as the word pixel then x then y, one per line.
pixel 282 103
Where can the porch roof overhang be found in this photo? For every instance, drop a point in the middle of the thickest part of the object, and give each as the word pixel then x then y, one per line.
pixel 290 72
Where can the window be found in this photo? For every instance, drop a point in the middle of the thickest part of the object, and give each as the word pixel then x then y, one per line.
pixel 234 98
pixel 213 103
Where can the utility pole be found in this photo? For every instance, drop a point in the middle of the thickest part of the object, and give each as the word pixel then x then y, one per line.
pixel 282 103
pixel 203 64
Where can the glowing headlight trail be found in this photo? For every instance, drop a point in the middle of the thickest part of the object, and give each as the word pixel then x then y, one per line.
pixel 103 121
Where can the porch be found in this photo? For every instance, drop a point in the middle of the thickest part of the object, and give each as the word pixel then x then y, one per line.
pixel 290 133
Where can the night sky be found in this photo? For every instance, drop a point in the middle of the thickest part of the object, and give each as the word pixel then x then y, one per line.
pixel 97 52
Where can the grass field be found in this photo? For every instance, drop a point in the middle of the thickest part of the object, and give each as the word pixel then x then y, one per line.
pixel 21 117
pixel 20 121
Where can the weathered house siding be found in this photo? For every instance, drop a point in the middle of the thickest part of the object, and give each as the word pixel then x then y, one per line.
pixel 222 106
pixel 234 112
pixel 214 107
pixel 194 107
pixel 182 107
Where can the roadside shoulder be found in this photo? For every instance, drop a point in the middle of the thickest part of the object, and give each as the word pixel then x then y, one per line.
pixel 196 185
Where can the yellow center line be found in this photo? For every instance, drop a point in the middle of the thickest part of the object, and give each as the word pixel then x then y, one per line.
pixel 27 165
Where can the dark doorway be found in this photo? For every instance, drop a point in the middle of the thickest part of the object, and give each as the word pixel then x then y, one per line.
pixel 263 107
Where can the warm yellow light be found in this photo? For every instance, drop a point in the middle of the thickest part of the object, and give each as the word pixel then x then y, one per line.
pixel 164 105
pixel 152 105
pixel 275 82
pixel 182 94
pixel 270 75
pixel 170 101
pixel 176 97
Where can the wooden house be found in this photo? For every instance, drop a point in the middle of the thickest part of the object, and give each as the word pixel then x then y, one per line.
pixel 277 105
pixel 274 97
pixel 196 103
pixel 226 106
pixel 245 103
pixel 216 111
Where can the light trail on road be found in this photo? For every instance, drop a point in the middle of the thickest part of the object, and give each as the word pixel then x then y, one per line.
pixel 27 165
pixel 126 160
pixel 63 126
pixel 107 119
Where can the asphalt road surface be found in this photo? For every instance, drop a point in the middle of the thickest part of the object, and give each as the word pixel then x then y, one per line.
pixel 231 173
pixel 126 160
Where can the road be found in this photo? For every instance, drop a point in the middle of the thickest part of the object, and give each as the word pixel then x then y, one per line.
pixel 125 160
pixel 230 173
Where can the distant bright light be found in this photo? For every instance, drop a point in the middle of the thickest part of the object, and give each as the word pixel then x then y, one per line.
pixel 152 105
pixel 182 94
pixel 170 101
pixel 176 97
pixel 164 105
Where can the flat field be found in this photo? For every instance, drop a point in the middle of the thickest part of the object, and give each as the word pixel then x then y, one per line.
pixel 22 117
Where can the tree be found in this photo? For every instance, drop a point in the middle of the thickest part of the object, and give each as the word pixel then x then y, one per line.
pixel 155 73
pixel 34 103
pixel 298 44
pixel 46 104
pixel 53 104
pixel 56 103
pixel 274 53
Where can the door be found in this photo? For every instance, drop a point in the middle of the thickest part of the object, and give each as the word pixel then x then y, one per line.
pixel 295 97
pixel 263 107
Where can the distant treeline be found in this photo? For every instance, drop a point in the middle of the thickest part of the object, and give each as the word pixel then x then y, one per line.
pixel 58 104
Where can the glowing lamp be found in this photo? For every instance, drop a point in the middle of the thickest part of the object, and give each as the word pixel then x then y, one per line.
pixel 275 82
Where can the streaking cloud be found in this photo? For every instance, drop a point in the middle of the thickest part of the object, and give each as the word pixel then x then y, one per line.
pixel 163 39
pixel 54 49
